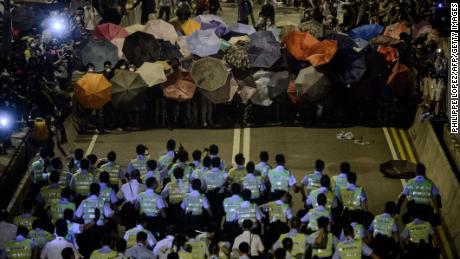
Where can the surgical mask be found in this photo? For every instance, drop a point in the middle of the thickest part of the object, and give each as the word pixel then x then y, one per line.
pixel 33 45
pixel 90 70
pixel 132 69
pixel 108 69
pixel 122 67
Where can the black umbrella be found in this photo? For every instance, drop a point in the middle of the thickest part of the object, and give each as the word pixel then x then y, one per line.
pixel 278 84
pixel 398 169
pixel 128 91
pixel 169 51
pixel 264 50
pixel 140 47
pixel 97 52
pixel 28 16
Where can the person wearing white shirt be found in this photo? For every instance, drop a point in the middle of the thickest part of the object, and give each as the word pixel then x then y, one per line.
pixel 331 202
pixel 352 196
pixel 385 223
pixel 248 210
pixel 312 181
pixel 254 183
pixel 263 167
pixel 87 207
pixel 255 243
pixel 314 214
pixel 53 248
pixel 193 205
pixel 130 190
pixel 140 250
pixel 8 231
pixel 165 243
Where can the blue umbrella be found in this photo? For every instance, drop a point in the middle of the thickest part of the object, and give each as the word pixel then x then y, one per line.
pixel 203 43
pixel 263 49
pixel 242 28
pixel 210 21
pixel 366 32
pixel 360 44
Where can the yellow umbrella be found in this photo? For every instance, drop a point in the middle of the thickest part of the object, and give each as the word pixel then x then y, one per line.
pixel 93 91
pixel 133 28
pixel 190 26
pixel 164 64
pixel 152 73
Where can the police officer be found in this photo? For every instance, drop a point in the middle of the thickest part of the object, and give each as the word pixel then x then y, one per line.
pixel 281 179
pixel 299 240
pixel 231 205
pixel 196 156
pixel 21 247
pixel 315 213
pixel 64 175
pixel 81 180
pixel 174 192
pixel 312 180
pixel 182 157
pixel 417 233
pixel 141 224
pixel 26 218
pixel 193 205
pixel 352 248
pixel 74 163
pixel 214 184
pixel 105 252
pixel 340 180
pixel 153 172
pixel 152 205
pixel 324 189
pixel 198 173
pixel 328 250
pixel 352 196
pixel 39 236
pixel 237 173
pixel 254 183
pixel 114 170
pixel 166 160
pixel 263 167
pixel 87 208
pixel 198 246
pixel 249 210
pixel 50 194
pixel 107 194
pixel 420 191
pixel 57 209
pixel 385 223
pixel 38 169
pixel 140 162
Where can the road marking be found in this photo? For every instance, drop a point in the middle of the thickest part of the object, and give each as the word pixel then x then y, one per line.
pixel 236 143
pixel 92 144
pixel 247 143
pixel 412 158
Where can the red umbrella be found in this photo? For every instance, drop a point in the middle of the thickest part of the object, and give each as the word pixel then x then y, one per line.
pixel 109 31
pixel 400 79
pixel 294 95
pixel 181 90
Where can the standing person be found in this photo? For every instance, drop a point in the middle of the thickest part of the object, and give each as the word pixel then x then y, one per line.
pixel 152 205
pixel 214 184
pixel 57 209
pixel 324 189
pixel 114 170
pixel 351 247
pixel 245 12
pixel 314 214
pixel 107 194
pixel 174 192
pixel 255 242
pixel 263 166
pixel 312 181
pixel 238 172
pixel 52 249
pixel 130 235
pixel 140 250
pixel 340 180
pixel 88 206
pixel 81 181
pixel 253 183
pixel 8 231
pixel 231 206
pixel 193 205
pixel 352 196
pixel 140 162
pixel 281 179
pixel 148 7
pixel 105 252
pixel 385 223
pixel 166 6
pixel 50 194
pixel 181 157
pixel 167 159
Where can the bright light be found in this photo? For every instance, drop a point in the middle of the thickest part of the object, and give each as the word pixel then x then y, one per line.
pixel 440 5
pixel 57 25
pixel 4 122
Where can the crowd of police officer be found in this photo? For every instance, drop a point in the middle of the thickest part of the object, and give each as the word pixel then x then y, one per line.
pixel 202 207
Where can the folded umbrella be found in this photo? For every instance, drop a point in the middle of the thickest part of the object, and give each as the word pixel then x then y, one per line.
pixel 313 27
pixel 109 31
pixel 236 56
pixel 97 52
pixel 398 169
pixel 209 73
pixel 312 84
pixel 384 40
pixel 264 50
pixel 134 28
pixel 400 80
pixel 261 81
pixel 128 91
pixel 242 29
pixel 93 91
pixel 223 94
pixel 181 90
pixel 395 29
pixel 161 30
pixel 140 47
pixel 203 43
pixel 152 73
pixel 366 31
pixel 321 53
pixel 298 43
pixel 278 84
pixel 190 26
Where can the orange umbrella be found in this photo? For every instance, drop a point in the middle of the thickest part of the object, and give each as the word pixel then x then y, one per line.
pixel 390 53
pixel 395 29
pixel 400 79
pixel 298 44
pixel 190 26
pixel 322 52
pixel 181 90
pixel 93 91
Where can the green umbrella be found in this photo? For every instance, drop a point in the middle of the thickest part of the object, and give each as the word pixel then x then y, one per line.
pixel 128 90
pixel 209 73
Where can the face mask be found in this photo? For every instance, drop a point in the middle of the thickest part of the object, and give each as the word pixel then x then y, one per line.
pixel 33 45
pixel 131 69
pixel 108 69
pixel 90 70
pixel 123 67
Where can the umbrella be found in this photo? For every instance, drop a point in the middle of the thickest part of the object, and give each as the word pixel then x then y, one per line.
pixel 313 27
pixel 424 28
pixel 140 47
pixel 312 84
pixel 181 90
pixel 395 29
pixel 246 88
pixel 322 52
pixel 278 84
pixel 97 52
pixel 109 31
pixel 398 169
pixel 400 79
pixel 384 41
pixel 190 26
pixel 276 32
pixel 27 16
pixel 293 94
pixel 152 73
pixel 263 49
pixel 210 21
pixel 162 30
pixel 182 43
pixel 134 28
pixel 93 91
pixel 203 43
pixel 164 65
pixel 344 42
pixel 223 94
pixel 128 90
pixel 298 43
pixel 366 32
pixel 237 55
pixel 209 73
pixel 169 51
pixel 390 53
pixel 242 29
pixel 118 42
pixel 360 44
pixel 283 32
pixel 261 96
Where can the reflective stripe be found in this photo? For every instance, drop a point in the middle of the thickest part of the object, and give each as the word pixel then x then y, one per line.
pixel 314 216
pixel 165 161
pixel 314 181
pixel 350 250
pixel 351 199
pixel 105 194
pixel 231 207
pixel 64 178
pixel 194 205
pixel 214 179
pixel 339 181
pixel 140 165
pixel 253 184
pixel 89 206
pixel 57 209
pixel 277 212
pixel 313 196
pixel 237 174
pixel 24 221
pixel 177 190
pixel 418 232
pixel 82 183
pixel 279 180
pixel 19 250
pixel 185 255
pixel 50 195
pixel 420 192
pixel 40 237
pixel 132 233
pixel 113 170
pixel 148 204
pixel 97 254
pixel 299 242
pixel 383 225
pixel 327 251
pixel 38 171
pixel 247 213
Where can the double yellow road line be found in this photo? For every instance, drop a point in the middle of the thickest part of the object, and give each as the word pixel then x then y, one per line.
pixel 401 149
